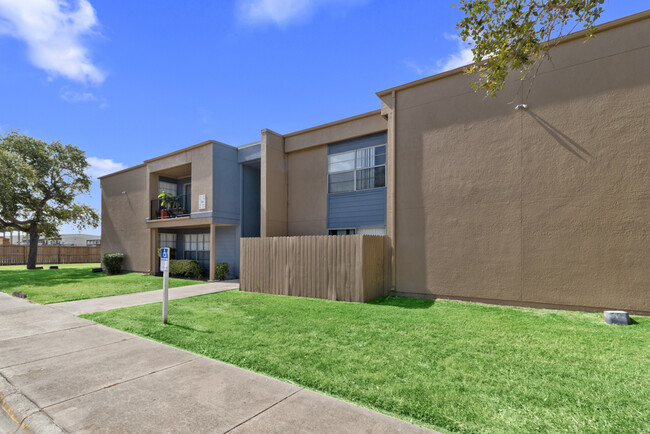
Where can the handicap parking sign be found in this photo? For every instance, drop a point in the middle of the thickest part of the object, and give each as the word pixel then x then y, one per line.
pixel 164 259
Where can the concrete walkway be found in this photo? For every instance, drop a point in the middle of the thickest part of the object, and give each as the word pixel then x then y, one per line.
pixel 80 307
pixel 62 373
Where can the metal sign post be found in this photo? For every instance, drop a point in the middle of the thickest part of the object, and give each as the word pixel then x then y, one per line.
pixel 164 267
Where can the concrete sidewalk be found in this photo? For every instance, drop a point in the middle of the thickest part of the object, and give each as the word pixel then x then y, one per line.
pixel 80 307
pixel 58 371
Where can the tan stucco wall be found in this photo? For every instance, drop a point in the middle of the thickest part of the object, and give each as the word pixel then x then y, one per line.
pixel 306 155
pixel 550 205
pixel 344 129
pixel 200 157
pixel 124 226
pixel 273 185
pixel 124 229
pixel 307 180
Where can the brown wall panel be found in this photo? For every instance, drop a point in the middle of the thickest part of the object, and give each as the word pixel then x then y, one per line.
pixel 347 268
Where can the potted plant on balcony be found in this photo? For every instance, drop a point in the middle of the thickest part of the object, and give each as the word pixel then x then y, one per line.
pixel 167 201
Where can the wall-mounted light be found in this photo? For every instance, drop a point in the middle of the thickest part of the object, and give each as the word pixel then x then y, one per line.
pixel 521 107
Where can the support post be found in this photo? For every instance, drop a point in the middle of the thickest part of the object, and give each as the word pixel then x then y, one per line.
pixel 165 294
pixel 212 251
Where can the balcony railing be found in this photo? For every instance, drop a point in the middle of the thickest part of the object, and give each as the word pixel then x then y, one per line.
pixel 174 207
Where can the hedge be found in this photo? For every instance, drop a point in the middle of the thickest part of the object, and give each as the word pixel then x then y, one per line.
pixel 184 268
pixel 113 263
pixel 220 270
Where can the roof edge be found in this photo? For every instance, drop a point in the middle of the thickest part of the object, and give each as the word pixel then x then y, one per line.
pixel 122 171
pixel 639 16
pixel 338 122
pixel 179 151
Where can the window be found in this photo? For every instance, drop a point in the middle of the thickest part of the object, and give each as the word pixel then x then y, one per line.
pixel 167 240
pixel 197 247
pixel 359 231
pixel 361 169
pixel 168 187
pixel 342 231
pixel 372 231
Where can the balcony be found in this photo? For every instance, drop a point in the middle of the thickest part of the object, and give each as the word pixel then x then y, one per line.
pixel 171 207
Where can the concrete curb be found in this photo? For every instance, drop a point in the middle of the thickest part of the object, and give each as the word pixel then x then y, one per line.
pixel 28 416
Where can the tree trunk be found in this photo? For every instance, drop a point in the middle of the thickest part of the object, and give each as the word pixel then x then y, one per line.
pixel 33 247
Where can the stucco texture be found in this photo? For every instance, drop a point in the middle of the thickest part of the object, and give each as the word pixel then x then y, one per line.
pixel 124 229
pixel 544 206
pixel 307 191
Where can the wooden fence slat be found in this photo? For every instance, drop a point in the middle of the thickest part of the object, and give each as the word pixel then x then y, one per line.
pixel 347 267
pixel 17 255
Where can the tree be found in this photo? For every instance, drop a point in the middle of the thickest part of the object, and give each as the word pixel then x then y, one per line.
pixel 515 35
pixel 38 186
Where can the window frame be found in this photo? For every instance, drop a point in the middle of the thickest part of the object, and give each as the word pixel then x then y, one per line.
pixel 356 169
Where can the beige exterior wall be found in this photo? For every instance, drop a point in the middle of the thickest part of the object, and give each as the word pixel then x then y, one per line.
pixel 344 129
pixel 200 157
pixel 124 225
pixel 547 206
pixel 273 185
pixel 124 229
pixel 306 176
pixel 307 187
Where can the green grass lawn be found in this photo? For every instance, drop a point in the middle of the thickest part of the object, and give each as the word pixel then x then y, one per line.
pixel 76 282
pixel 448 365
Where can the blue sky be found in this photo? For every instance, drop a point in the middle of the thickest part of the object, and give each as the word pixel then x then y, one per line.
pixel 130 80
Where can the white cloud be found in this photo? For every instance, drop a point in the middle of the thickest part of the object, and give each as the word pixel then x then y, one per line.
pixel 461 57
pixel 102 166
pixel 73 97
pixel 53 31
pixel 281 12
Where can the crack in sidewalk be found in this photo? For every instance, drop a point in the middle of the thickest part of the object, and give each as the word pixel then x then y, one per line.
pixel 263 411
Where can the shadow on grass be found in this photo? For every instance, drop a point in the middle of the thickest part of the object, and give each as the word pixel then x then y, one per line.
pixel 191 329
pixel 403 302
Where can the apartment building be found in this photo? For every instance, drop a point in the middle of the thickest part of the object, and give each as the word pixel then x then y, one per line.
pixel 538 197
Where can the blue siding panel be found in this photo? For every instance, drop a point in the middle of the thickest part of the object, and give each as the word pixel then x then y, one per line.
pixel 250 202
pixel 357 209
pixel 225 183
pixel 226 239
pixel 249 153
pixel 359 142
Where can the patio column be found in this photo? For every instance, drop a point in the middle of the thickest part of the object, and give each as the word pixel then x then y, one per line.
pixel 212 251
pixel 153 265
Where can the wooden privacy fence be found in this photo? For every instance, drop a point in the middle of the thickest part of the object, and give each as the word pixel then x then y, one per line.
pixel 17 255
pixel 345 267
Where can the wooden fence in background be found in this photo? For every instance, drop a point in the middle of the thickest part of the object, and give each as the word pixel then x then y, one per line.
pixel 17 255
pixel 344 267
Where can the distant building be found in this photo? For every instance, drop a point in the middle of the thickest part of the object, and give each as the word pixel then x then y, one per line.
pixel 68 240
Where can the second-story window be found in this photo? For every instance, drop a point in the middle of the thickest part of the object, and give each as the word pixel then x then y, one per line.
pixel 361 169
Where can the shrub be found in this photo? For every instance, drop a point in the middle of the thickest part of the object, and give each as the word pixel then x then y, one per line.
pixel 220 270
pixel 113 263
pixel 184 268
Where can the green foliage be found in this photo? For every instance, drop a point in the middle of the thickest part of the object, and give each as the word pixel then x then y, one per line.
pixel 168 201
pixel 516 34
pixel 113 263
pixel 184 268
pixel 220 270
pixel 77 282
pixel 172 253
pixel 38 186
pixel 461 367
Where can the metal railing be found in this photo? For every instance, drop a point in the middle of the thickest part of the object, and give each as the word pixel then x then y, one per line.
pixel 176 206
